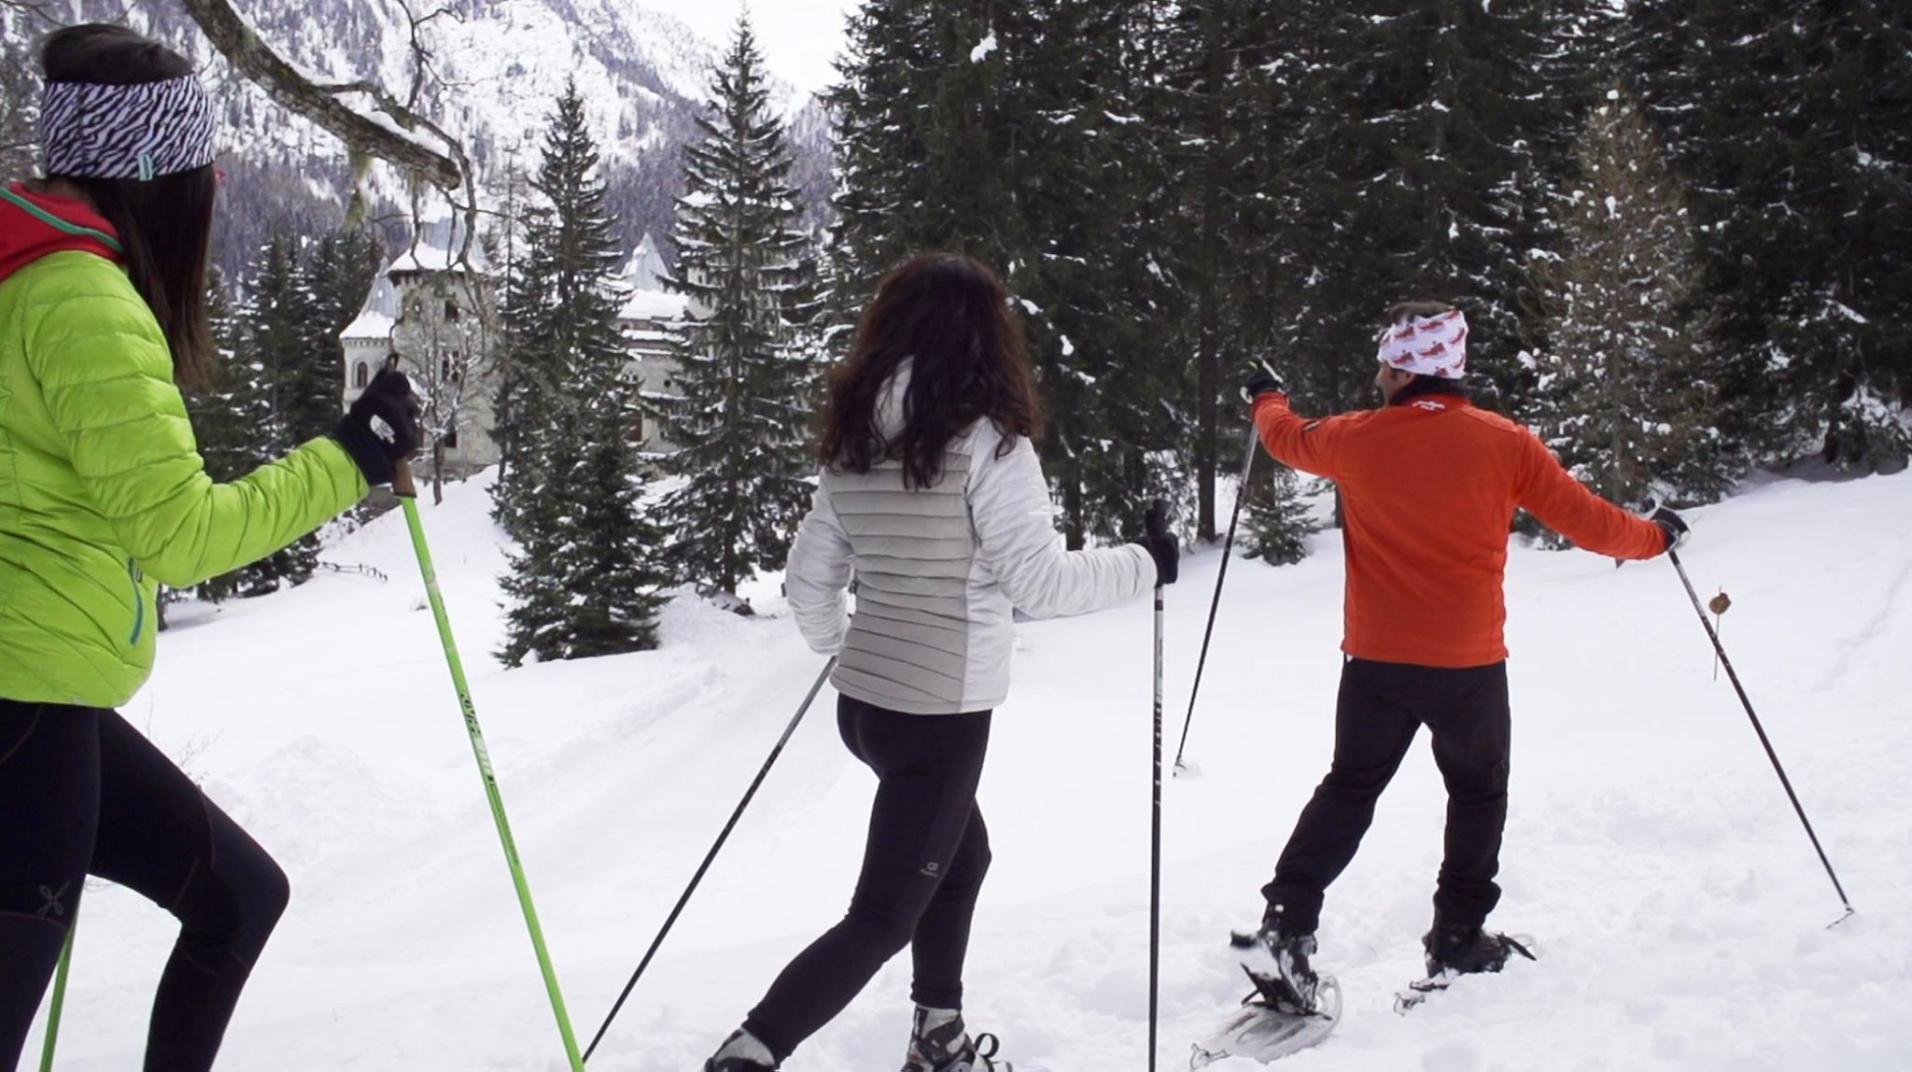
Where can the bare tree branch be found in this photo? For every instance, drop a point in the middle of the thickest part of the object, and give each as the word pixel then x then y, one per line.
pixel 448 169
pixel 38 9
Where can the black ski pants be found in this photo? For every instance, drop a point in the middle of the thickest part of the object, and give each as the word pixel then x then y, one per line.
pixel 923 866
pixel 1381 705
pixel 82 792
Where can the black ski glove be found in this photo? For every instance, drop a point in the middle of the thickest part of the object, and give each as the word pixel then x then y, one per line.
pixel 1261 380
pixel 382 426
pixel 1161 544
pixel 1673 525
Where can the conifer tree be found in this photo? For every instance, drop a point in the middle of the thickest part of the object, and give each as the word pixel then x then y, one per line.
pixel 1625 392
pixel 746 371
pixel 586 574
pixel 226 417
pixel 1794 130
pixel 277 354
pixel 1279 519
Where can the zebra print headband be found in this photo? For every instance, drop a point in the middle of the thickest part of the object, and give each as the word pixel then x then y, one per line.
pixel 142 131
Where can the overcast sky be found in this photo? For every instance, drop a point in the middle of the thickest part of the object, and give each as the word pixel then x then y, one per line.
pixel 800 38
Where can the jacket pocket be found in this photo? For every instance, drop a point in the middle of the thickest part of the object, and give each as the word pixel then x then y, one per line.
pixel 133 577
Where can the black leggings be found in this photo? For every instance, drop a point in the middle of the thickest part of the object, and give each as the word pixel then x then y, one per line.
pixel 922 869
pixel 1381 706
pixel 81 792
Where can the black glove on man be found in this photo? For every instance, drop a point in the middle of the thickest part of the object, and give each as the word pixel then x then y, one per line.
pixel 1673 525
pixel 1261 380
pixel 382 426
pixel 1162 545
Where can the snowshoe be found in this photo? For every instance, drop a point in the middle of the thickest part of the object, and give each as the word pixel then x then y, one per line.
pixel 1265 1033
pixel 947 1047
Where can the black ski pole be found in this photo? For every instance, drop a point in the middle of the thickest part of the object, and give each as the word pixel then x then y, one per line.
pixel 1228 552
pixel 1733 676
pixel 1155 851
pixel 671 921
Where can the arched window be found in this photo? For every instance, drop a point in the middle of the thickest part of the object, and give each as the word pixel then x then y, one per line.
pixel 361 375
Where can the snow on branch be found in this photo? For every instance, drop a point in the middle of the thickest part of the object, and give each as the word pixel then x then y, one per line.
pixel 386 129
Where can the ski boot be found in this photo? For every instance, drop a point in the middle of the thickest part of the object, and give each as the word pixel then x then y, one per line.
pixel 1276 959
pixel 1454 949
pixel 940 1043
pixel 742 1052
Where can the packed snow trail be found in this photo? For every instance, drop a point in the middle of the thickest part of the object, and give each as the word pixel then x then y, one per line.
pixel 1649 846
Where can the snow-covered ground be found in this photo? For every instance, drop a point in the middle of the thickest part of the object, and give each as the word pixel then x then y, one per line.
pixel 1679 906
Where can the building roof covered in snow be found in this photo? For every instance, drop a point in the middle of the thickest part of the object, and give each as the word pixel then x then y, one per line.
pixel 379 316
pixel 438 246
pixel 648 298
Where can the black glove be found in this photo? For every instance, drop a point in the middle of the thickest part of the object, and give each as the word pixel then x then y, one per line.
pixel 1673 525
pixel 1261 380
pixel 1161 544
pixel 382 426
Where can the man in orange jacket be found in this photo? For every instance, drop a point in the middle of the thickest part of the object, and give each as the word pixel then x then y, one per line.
pixel 1429 484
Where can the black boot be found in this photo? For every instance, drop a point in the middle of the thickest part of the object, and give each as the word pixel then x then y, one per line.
pixel 947 1047
pixel 1466 950
pixel 1277 959
pixel 740 1052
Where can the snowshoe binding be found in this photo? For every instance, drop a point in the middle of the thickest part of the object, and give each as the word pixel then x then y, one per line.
pixel 741 1052
pixel 1291 1009
pixel 1453 951
pixel 940 1042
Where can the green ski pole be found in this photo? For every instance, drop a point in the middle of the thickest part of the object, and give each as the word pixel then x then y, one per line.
pixel 59 998
pixel 407 493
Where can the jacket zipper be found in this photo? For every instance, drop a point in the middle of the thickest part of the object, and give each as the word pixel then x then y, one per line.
pixel 139 604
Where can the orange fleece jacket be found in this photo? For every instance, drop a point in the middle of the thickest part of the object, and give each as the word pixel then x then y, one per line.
pixel 1428 492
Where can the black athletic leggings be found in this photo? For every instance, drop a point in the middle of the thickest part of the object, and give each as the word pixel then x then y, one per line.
pixel 922 869
pixel 81 792
pixel 1380 707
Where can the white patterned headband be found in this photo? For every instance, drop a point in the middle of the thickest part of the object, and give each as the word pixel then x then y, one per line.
pixel 142 131
pixel 1428 345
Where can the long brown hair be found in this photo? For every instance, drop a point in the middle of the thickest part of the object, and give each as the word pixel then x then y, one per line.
pixel 164 224
pixel 949 316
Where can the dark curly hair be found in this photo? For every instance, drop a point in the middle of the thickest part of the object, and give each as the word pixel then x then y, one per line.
pixel 949 316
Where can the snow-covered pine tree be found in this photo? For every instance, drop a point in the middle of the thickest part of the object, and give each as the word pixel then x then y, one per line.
pixel 279 340
pixel 338 273
pixel 1089 176
pixel 1279 519
pixel 586 575
pixel 1424 141
pixel 1018 133
pixel 1224 130
pixel 520 305
pixel 1625 392
pixel 745 383
pixel 227 416
pixel 1793 126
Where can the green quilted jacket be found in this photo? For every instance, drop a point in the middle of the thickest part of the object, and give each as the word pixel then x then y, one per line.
pixel 103 494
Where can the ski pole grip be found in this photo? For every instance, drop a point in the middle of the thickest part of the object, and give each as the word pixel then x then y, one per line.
pixel 402 484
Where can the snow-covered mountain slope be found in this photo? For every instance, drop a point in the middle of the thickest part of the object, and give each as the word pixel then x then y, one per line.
pixel 1650 848
pixel 495 68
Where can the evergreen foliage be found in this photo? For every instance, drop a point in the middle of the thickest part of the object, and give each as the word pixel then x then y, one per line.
pixel 585 578
pixel 746 381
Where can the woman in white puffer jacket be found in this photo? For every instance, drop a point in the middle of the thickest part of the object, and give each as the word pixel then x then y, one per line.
pixel 932 498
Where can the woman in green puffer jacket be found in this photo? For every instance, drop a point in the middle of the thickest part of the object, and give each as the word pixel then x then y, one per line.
pixel 102 497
